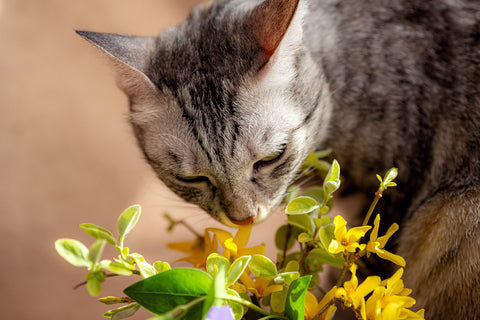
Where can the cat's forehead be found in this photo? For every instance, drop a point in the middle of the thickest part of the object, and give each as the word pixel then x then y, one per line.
pixel 212 45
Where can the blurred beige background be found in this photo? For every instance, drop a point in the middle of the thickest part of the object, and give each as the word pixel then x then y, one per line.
pixel 67 155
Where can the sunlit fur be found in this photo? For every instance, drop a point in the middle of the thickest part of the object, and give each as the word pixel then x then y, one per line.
pixel 384 83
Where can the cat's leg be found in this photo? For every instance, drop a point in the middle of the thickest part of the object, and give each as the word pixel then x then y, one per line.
pixel 441 244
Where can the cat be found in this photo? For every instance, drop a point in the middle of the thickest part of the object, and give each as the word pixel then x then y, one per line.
pixel 226 106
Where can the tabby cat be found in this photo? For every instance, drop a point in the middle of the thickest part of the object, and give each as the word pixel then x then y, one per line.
pixel 227 105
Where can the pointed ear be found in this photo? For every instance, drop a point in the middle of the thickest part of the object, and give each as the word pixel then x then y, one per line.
pixel 131 58
pixel 271 20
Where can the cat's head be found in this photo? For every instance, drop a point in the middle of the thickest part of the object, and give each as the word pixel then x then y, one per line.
pixel 215 104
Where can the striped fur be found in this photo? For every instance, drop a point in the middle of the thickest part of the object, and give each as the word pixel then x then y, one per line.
pixel 383 83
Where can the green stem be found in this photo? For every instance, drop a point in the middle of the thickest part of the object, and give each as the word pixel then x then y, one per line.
pixel 308 248
pixel 378 195
pixel 344 270
pixel 289 234
pixel 319 314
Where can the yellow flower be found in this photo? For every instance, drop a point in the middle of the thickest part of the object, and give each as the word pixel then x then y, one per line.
pixel 235 246
pixel 260 287
pixel 346 241
pixel 391 301
pixel 376 244
pixel 199 249
pixel 313 307
pixel 354 294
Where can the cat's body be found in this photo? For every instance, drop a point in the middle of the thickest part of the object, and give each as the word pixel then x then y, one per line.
pixel 227 105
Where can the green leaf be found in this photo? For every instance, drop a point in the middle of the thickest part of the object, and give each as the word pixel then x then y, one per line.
pixel 115 267
pixel 319 256
pixel 327 233
pixel 286 235
pixel 292 266
pixel 180 311
pixel 390 176
pixel 316 193
pixel 302 221
pixel 301 205
pixel 127 221
pixel 303 237
pixel 218 261
pixel 217 289
pixel 286 278
pixel 145 268
pixel 236 269
pixel 322 221
pixel 323 153
pixel 122 312
pixel 161 266
pixel 73 251
pixel 112 300
pixel 295 302
pixel 94 286
pixel 98 232
pixel 332 180
pixel 169 289
pixel 238 309
pixel 96 251
pixel 292 193
pixel 263 267
pixel 277 301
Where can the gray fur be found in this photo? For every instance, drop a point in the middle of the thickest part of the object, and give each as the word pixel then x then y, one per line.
pixel 383 83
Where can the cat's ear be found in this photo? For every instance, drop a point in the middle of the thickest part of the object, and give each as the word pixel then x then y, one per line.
pixel 270 21
pixel 130 56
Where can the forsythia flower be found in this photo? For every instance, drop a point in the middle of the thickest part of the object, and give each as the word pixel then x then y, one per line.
pixel 199 249
pixel 346 240
pixel 260 287
pixel 313 307
pixel 235 246
pixel 376 244
pixel 391 301
pixel 354 294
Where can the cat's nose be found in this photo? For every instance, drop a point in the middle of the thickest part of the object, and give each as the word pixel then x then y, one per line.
pixel 245 222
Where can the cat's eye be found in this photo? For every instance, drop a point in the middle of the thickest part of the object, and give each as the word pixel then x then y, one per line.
pixel 194 179
pixel 271 158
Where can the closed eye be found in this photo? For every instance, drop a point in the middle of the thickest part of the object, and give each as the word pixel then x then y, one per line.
pixel 271 159
pixel 194 179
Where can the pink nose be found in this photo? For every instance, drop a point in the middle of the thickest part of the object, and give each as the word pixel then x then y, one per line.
pixel 244 222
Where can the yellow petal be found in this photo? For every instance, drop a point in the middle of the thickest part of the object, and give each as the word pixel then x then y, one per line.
pixel 384 254
pixel 310 305
pixel 374 302
pixel 243 235
pixel 329 296
pixel 246 280
pixel 391 311
pixel 240 288
pixel 184 246
pixel 335 247
pixel 272 288
pixel 354 234
pixel 376 224
pixel 402 301
pixel 367 286
pixel 372 246
pixel 330 312
pixel 383 239
pixel 230 245
pixel 222 235
pixel 258 249
pixel 340 227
